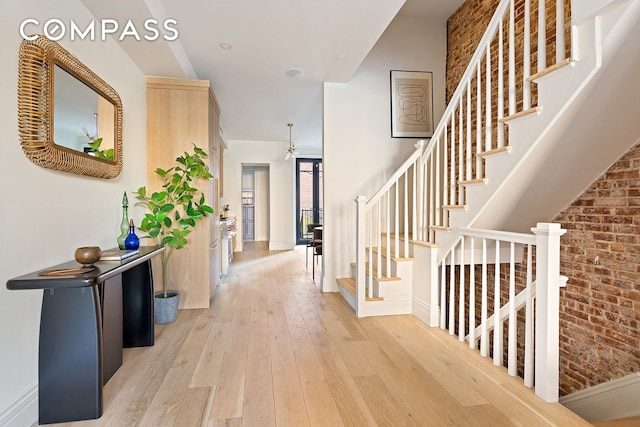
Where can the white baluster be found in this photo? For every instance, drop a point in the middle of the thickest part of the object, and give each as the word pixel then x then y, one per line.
pixel 512 60
pixel 500 106
pixel 487 81
pixel 528 322
pixel 443 294
pixel 461 296
pixel 472 295
pixel 452 300
pixel 560 43
pixel 484 334
pixel 497 323
pixel 542 36
pixel 513 332
pixel 469 150
pixel 526 60
pixel 478 121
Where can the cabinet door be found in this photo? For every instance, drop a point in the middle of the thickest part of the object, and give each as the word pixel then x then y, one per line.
pixel 214 265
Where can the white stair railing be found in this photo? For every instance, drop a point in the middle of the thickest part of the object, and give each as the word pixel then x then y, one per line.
pixel 494 87
pixel 416 201
pixel 486 281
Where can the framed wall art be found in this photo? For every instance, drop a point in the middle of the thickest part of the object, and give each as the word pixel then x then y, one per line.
pixel 411 104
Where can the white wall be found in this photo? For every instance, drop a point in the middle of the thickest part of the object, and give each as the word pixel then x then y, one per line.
pixel 262 214
pixel 46 214
pixel 359 154
pixel 581 9
pixel 281 187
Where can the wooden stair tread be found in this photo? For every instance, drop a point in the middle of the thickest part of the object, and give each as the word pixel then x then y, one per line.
pixel 384 255
pixel 533 77
pixel 533 110
pixel 375 274
pixel 473 181
pixel 506 149
pixel 452 207
pixel 349 285
pixel 415 242
pixel 440 227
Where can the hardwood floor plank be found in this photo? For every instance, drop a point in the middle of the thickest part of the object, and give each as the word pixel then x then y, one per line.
pixel 208 366
pixel 382 402
pixel 164 407
pixel 419 349
pixel 350 402
pixel 426 391
pixel 231 422
pixel 289 399
pixel 320 405
pixel 193 410
pixel 259 404
pixel 229 392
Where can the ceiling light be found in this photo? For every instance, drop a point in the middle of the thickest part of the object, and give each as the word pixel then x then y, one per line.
pixel 291 151
pixel 341 56
pixel 295 72
pixel 225 46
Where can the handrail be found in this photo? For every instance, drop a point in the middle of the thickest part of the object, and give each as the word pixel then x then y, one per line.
pixel 398 173
pixel 476 58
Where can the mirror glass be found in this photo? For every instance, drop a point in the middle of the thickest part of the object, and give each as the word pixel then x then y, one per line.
pixel 69 119
pixel 81 116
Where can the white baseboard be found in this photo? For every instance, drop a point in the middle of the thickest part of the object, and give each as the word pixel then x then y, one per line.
pixel 23 412
pixel 614 399
pixel 423 311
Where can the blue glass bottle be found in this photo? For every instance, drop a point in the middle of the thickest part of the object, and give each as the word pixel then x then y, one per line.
pixel 132 241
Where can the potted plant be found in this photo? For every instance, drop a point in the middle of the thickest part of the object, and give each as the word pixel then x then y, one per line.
pixel 173 213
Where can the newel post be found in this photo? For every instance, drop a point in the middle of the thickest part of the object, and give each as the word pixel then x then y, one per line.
pixel 547 332
pixel 361 241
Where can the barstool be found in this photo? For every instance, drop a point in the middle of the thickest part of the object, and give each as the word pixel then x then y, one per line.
pixel 310 243
pixel 317 248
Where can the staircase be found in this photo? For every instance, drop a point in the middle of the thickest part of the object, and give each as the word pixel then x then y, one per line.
pixel 501 158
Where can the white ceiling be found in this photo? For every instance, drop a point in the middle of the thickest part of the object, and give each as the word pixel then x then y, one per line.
pixel 328 39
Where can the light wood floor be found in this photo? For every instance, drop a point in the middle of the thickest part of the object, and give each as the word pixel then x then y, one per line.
pixel 275 351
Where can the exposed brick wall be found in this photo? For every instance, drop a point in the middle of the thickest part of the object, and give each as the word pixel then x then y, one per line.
pixel 600 308
pixel 600 253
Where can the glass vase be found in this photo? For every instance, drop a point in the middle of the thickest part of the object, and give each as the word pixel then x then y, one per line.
pixel 124 224
pixel 131 241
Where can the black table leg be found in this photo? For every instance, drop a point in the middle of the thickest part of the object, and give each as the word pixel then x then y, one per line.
pixel 138 312
pixel 70 355
pixel 111 296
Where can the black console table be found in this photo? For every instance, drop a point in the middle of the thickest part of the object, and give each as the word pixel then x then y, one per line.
pixel 85 322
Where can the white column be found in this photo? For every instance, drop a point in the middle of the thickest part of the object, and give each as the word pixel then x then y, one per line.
pixel 360 255
pixel 547 330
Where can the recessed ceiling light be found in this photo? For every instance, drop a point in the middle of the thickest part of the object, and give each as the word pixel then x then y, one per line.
pixel 295 72
pixel 341 56
pixel 225 46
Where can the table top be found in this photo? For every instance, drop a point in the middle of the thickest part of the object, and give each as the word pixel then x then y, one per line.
pixel 102 270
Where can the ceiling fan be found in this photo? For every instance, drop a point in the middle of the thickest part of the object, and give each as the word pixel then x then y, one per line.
pixel 291 151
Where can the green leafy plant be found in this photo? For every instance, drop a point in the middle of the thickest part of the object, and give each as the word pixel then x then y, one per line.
pixel 94 144
pixel 107 154
pixel 174 210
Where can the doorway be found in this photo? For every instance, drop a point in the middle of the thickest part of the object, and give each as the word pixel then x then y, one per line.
pixel 255 203
pixel 309 197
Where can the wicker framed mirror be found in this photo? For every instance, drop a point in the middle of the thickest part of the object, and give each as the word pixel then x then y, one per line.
pixel 69 119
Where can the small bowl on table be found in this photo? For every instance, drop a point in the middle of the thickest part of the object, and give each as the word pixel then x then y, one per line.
pixel 87 255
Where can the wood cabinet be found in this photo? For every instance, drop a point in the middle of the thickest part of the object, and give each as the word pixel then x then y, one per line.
pixel 182 112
